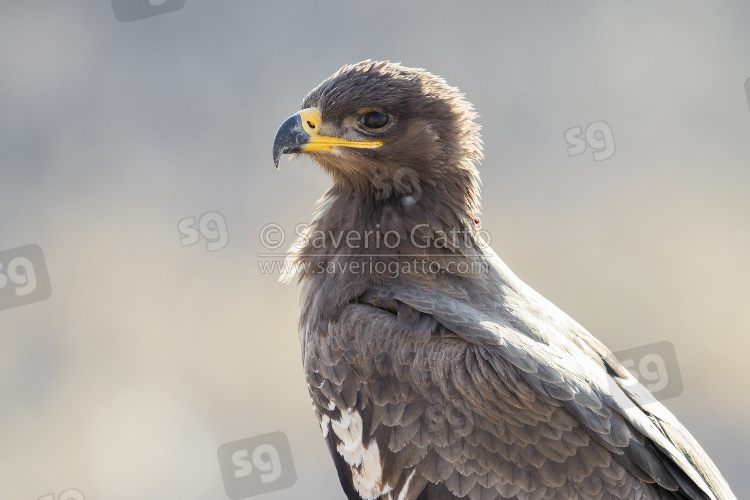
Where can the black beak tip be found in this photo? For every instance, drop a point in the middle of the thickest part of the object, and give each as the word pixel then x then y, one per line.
pixel 278 150
pixel 290 138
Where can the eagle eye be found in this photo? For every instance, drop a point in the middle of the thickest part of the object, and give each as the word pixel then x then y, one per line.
pixel 374 120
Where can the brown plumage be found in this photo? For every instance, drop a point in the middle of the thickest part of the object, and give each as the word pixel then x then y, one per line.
pixel 434 371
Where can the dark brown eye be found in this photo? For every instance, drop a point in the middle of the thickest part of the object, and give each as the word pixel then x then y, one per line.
pixel 374 120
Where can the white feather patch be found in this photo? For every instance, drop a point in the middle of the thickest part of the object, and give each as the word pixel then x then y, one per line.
pixel 364 460
pixel 405 489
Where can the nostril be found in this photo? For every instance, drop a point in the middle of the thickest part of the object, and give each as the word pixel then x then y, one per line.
pixel 311 124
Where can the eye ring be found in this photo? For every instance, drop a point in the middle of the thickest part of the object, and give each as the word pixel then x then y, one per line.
pixel 374 120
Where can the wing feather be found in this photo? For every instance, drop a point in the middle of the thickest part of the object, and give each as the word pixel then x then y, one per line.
pixel 505 395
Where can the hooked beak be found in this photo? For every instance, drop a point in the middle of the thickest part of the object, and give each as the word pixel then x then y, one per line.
pixel 299 133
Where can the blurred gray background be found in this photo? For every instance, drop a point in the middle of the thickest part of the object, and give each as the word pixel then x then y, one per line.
pixel 149 355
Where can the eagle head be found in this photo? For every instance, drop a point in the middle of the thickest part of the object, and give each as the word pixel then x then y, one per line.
pixel 384 131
